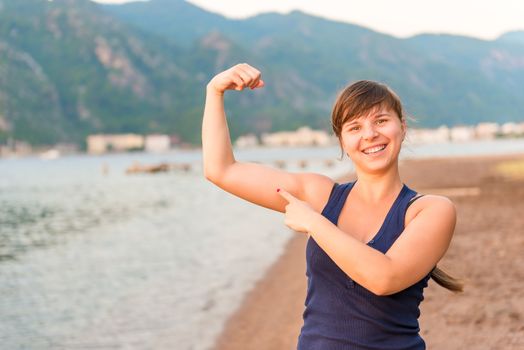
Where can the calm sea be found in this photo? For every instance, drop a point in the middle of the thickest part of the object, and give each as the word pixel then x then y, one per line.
pixel 104 260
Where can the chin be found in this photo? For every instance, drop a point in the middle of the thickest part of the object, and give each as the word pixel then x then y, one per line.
pixel 378 166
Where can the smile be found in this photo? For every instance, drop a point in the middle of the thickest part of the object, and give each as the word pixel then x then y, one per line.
pixel 375 149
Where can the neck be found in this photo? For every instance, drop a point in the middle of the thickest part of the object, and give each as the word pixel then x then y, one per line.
pixel 374 188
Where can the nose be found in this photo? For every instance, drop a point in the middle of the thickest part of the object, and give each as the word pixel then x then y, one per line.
pixel 369 132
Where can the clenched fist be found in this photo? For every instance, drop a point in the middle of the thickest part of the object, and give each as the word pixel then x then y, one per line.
pixel 237 78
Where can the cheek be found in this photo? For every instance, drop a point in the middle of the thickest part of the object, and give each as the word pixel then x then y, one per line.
pixel 394 131
pixel 349 143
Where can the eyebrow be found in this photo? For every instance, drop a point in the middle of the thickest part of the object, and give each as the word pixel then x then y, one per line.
pixel 375 116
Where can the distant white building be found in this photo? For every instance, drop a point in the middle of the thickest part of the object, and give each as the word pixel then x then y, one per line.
pixel 247 141
pixel 487 130
pixel 416 136
pixel 462 133
pixel 304 136
pixel 512 129
pixel 15 148
pixel 101 143
pixel 157 143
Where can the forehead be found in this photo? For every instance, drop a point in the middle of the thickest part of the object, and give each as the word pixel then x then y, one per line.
pixel 371 113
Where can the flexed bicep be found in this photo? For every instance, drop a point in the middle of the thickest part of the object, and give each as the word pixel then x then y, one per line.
pixel 257 183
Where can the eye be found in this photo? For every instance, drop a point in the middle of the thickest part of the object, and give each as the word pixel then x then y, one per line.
pixel 381 121
pixel 354 128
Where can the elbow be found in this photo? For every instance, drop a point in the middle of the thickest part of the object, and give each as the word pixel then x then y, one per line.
pixel 382 286
pixel 215 175
pixel 211 173
pixel 208 175
pixel 212 177
pixel 381 291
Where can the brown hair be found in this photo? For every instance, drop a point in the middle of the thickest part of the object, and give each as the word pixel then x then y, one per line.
pixel 359 99
pixel 447 281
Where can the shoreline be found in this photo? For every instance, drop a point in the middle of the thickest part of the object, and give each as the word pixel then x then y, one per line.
pixel 270 315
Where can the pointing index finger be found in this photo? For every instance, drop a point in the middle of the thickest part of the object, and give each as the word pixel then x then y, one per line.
pixel 287 196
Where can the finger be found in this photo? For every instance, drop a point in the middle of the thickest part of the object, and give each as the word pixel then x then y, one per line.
pixel 246 77
pixel 286 195
pixel 260 84
pixel 256 83
pixel 237 79
pixel 257 80
pixel 253 73
pixel 246 67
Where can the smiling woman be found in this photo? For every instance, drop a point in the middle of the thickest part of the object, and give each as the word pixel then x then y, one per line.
pixel 369 123
pixel 373 243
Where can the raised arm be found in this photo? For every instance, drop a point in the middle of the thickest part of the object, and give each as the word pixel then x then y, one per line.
pixel 253 182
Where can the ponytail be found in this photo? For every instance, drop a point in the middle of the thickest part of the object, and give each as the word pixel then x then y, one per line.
pixel 447 281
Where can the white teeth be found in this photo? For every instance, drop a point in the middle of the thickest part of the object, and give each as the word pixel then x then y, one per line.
pixel 374 149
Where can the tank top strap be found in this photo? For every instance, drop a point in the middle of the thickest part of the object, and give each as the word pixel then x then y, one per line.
pixel 336 200
pixel 409 197
pixel 414 198
pixel 396 225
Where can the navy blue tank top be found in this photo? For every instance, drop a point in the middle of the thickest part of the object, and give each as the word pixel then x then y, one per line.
pixel 339 313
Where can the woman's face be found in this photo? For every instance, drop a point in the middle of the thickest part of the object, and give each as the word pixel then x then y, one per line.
pixel 373 141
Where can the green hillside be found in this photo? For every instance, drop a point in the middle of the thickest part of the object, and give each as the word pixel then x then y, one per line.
pixel 443 79
pixel 69 69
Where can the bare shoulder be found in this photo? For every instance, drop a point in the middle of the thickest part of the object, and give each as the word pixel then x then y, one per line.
pixel 437 205
pixel 317 188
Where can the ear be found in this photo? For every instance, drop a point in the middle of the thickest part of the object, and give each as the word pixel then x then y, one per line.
pixel 404 127
pixel 342 151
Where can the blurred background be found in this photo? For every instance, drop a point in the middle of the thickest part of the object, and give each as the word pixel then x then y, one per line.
pixel 110 237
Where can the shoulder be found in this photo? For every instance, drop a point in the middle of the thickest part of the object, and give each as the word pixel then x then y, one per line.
pixel 317 188
pixel 436 206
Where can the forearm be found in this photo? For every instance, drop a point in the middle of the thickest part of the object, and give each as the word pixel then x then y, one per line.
pixel 217 152
pixel 365 265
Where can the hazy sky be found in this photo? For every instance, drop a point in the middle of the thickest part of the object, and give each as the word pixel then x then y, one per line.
pixel 479 18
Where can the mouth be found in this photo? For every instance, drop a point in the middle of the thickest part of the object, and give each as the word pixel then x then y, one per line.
pixel 374 149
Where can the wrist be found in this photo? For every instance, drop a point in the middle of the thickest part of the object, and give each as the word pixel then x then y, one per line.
pixel 211 90
pixel 314 223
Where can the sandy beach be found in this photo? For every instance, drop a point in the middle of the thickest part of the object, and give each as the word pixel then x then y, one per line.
pixel 486 251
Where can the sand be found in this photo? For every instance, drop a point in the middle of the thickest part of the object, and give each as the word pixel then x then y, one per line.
pixel 487 251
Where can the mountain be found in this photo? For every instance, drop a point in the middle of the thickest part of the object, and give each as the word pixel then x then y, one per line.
pixel 516 36
pixel 476 80
pixel 443 79
pixel 69 68
pixel 169 18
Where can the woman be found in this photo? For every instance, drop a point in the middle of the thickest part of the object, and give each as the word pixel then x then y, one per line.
pixel 373 243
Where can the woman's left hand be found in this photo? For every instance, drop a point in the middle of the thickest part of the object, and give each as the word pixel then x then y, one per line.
pixel 298 213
